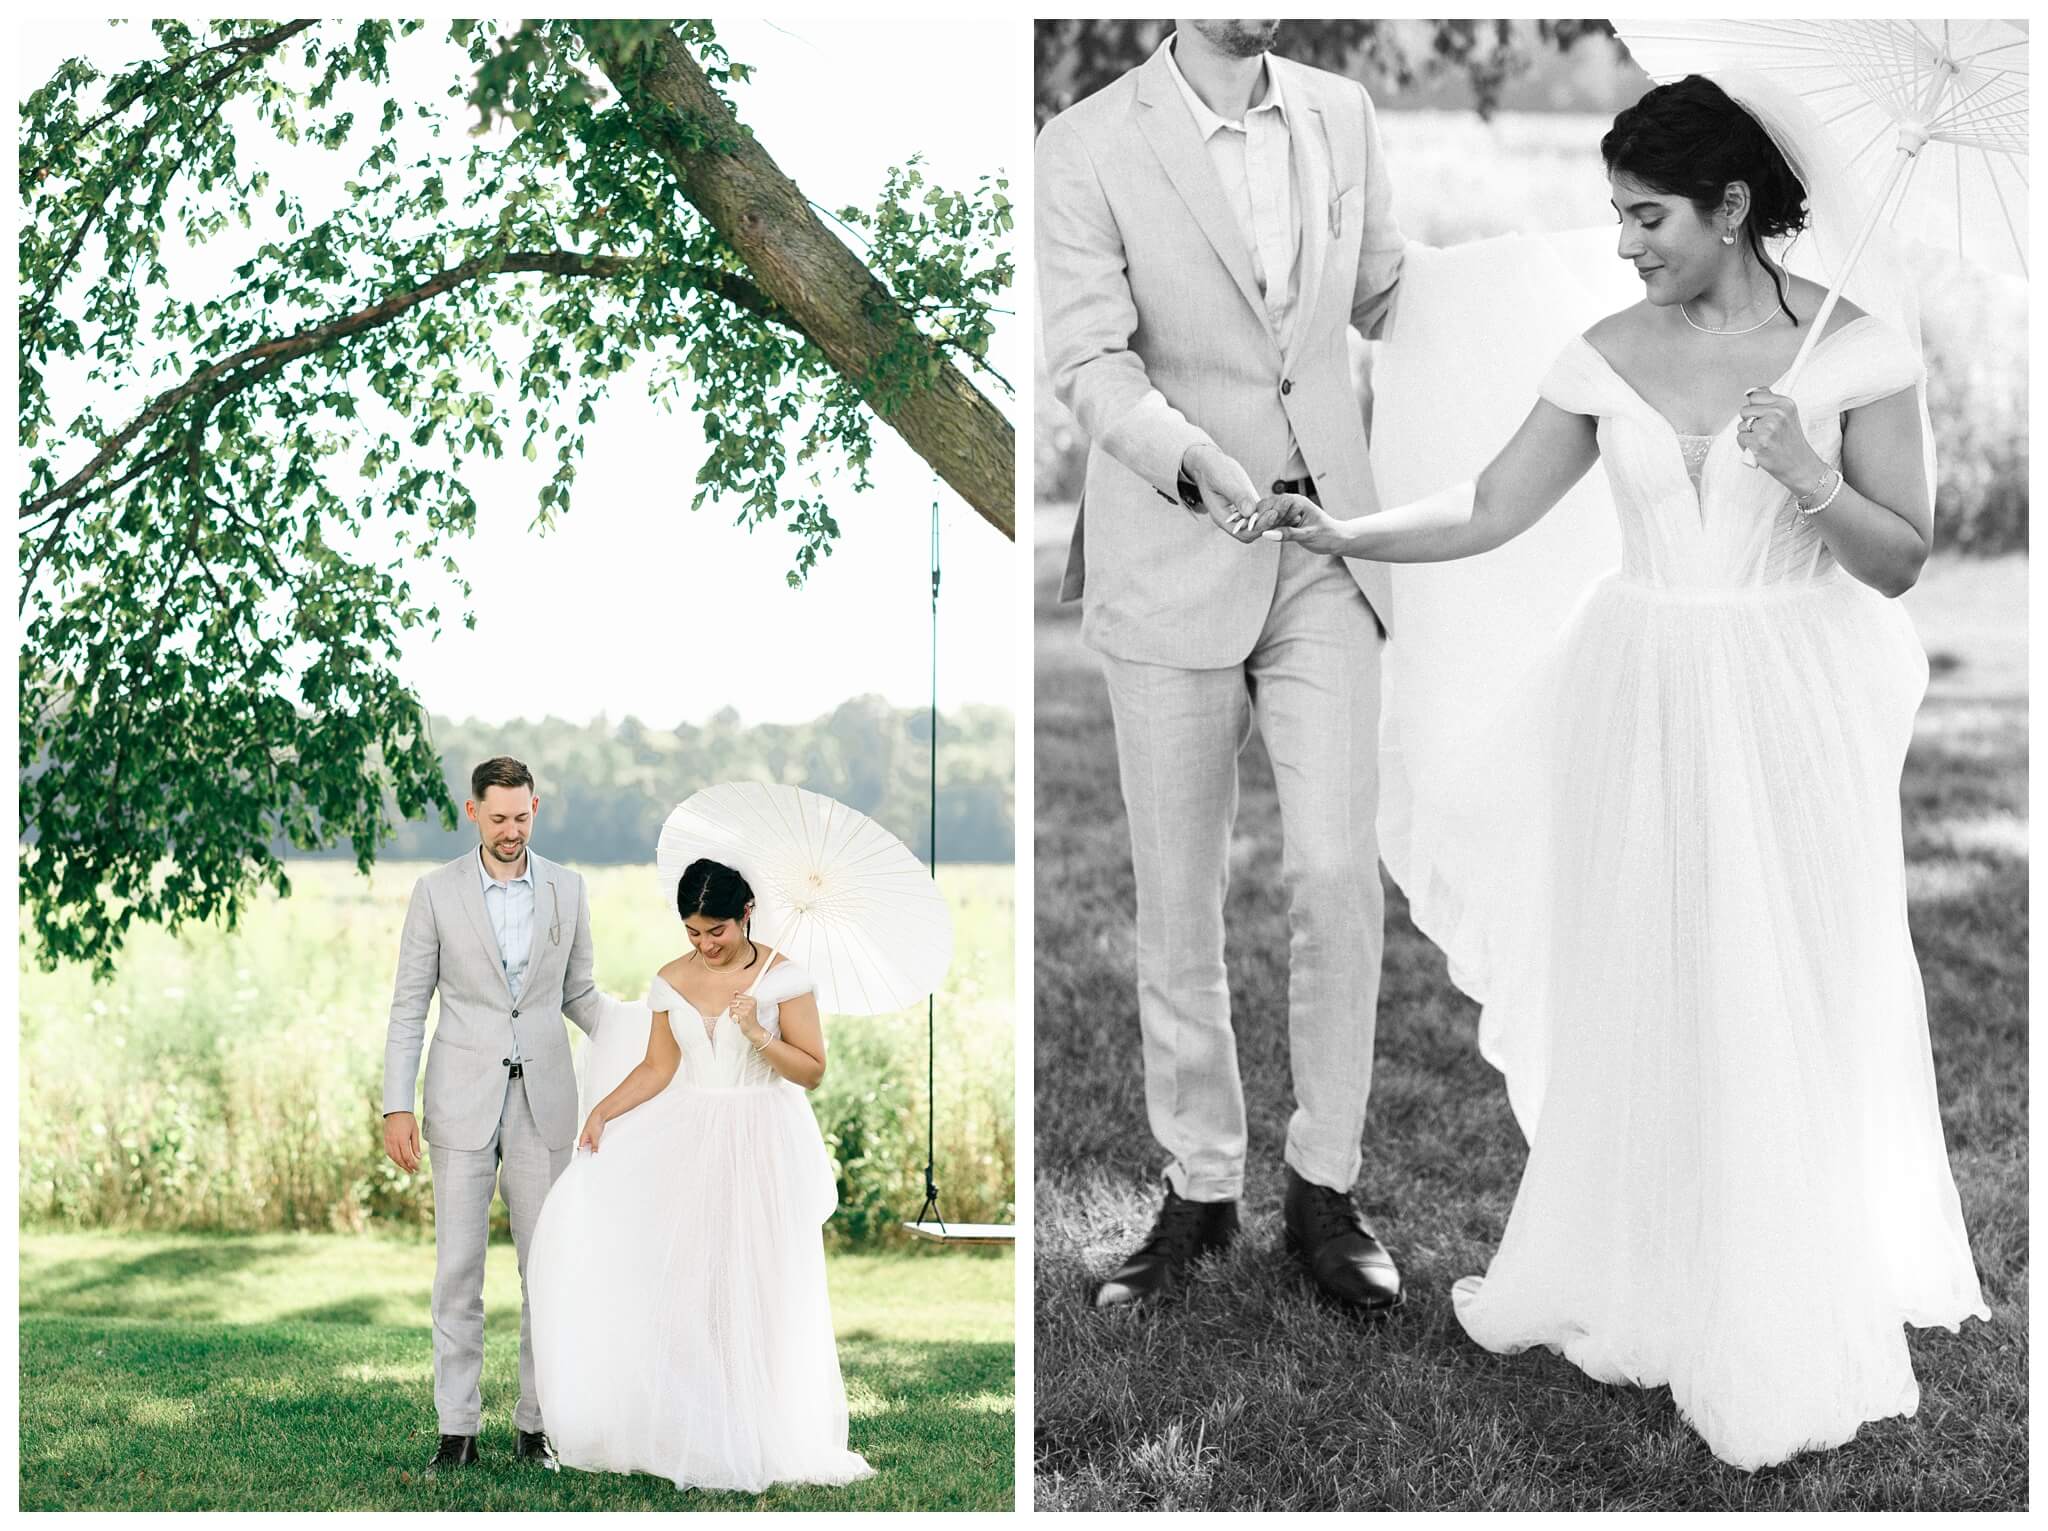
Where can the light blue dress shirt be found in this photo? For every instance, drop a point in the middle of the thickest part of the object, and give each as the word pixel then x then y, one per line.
pixel 509 903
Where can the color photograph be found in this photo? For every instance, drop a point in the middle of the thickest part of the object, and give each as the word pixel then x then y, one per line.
pixel 1530 765
pixel 518 636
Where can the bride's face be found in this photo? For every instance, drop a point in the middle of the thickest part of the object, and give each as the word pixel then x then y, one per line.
pixel 715 939
pixel 1676 251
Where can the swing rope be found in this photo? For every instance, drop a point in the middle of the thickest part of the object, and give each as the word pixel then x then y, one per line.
pixel 930 1211
pixel 929 1223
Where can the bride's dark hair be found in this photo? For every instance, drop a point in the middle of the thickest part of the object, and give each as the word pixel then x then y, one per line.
pixel 712 889
pixel 1689 139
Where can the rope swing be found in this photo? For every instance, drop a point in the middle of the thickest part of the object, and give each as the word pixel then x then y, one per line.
pixel 929 1224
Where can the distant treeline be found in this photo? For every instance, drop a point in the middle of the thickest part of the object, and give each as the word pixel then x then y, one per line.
pixel 606 787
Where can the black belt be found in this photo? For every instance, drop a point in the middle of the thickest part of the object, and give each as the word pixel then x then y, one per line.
pixel 516 1068
pixel 1302 486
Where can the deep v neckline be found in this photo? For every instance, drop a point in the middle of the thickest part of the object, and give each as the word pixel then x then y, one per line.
pixel 710 1022
pixel 1678 438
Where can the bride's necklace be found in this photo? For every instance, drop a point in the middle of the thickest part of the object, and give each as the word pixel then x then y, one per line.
pixel 1708 329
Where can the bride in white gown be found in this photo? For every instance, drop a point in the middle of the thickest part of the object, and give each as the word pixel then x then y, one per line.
pixel 1668 860
pixel 677 1274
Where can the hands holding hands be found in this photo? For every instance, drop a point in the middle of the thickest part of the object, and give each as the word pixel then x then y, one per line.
pixel 1225 488
pixel 1297 518
pixel 1237 508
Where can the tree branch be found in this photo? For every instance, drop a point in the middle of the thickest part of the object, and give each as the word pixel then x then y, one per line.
pixel 797 261
pixel 227 377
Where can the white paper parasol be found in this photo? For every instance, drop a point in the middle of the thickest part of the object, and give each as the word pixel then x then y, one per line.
pixel 832 889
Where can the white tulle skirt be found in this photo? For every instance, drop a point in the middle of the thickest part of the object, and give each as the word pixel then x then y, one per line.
pixel 1671 870
pixel 680 1320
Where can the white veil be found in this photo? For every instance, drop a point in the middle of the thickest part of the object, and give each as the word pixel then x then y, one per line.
pixel 1477 327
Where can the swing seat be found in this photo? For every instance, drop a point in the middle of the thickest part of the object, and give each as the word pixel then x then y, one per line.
pixel 963 1233
pixel 932 1228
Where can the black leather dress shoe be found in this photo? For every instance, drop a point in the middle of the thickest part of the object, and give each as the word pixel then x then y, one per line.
pixel 535 1446
pixel 1183 1232
pixel 455 1451
pixel 1335 1244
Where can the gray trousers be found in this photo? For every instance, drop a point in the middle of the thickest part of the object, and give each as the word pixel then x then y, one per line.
pixel 1312 684
pixel 524 1168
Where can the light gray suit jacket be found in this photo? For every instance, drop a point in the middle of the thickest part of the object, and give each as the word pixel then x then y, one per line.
pixel 1145 288
pixel 448 945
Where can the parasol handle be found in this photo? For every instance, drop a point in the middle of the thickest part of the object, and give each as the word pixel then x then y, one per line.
pixel 1901 162
pixel 750 988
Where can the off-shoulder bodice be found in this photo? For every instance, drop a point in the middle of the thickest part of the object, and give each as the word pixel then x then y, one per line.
pixel 724 1059
pixel 1700 518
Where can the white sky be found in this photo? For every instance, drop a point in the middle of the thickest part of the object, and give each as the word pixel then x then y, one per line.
pixel 636 605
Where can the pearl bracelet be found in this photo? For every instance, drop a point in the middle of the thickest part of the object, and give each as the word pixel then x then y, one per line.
pixel 1799 501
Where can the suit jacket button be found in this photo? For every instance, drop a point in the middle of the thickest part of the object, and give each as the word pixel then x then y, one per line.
pixel 506 1061
pixel 515 1015
pixel 1287 385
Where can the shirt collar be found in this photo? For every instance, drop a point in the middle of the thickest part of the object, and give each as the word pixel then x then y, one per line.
pixel 1207 123
pixel 484 872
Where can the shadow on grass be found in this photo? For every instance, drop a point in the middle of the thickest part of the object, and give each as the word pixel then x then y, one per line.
pixel 300 1416
pixel 186 1275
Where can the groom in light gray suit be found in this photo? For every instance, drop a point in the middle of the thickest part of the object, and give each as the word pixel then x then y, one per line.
pixel 504 936
pixel 1208 227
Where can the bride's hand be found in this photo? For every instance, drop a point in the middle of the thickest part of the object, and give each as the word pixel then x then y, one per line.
pixel 746 1012
pixel 1771 433
pixel 1297 518
pixel 592 1131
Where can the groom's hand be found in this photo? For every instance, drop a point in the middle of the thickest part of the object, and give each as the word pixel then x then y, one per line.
pixel 1226 490
pixel 402 1140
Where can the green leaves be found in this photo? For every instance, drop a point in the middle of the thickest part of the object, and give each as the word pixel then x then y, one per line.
pixel 943 258
pixel 209 647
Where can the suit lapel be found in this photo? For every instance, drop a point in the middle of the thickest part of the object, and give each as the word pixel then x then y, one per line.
pixel 546 900
pixel 472 896
pixel 1164 120
pixel 1309 135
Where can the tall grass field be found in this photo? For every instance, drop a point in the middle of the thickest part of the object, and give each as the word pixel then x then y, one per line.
pixel 230 1080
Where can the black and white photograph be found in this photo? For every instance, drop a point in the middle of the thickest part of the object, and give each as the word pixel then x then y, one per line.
pixel 1530 755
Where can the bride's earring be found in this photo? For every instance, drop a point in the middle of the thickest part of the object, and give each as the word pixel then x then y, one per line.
pixel 1727 239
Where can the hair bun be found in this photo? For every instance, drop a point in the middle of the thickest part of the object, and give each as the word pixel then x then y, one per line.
pixel 712 889
pixel 1690 139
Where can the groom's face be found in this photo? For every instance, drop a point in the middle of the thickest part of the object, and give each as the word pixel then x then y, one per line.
pixel 1238 39
pixel 504 820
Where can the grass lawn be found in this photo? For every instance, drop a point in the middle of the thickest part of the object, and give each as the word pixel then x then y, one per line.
pixel 1249 1394
pixel 294 1372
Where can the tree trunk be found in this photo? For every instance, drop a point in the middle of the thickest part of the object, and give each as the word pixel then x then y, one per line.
pixel 810 274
